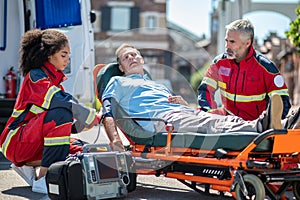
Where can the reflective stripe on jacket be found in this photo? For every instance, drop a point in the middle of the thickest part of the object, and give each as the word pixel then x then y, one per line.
pixel 245 87
pixel 41 90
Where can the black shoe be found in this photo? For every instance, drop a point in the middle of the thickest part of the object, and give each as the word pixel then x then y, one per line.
pixel 271 117
pixel 293 120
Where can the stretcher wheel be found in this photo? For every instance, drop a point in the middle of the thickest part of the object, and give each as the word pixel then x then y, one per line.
pixel 296 190
pixel 254 186
pixel 131 173
pixel 132 184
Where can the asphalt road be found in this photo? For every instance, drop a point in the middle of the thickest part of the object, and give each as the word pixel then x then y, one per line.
pixel 149 187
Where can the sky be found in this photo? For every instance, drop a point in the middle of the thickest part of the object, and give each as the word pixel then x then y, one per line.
pixel 194 15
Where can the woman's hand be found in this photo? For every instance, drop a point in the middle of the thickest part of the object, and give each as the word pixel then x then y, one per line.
pixel 95 122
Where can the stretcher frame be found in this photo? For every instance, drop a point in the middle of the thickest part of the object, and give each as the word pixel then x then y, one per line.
pixel 244 172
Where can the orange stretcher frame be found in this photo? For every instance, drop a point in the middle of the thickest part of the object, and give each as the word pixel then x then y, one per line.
pixel 244 172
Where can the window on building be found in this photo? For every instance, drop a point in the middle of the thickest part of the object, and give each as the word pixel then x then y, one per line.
pixel 214 25
pixel 119 18
pixel 151 22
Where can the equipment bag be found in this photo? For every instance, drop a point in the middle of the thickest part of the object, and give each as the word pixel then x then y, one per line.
pixel 64 180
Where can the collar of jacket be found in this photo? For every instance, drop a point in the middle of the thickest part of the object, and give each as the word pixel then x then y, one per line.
pixel 250 53
pixel 55 75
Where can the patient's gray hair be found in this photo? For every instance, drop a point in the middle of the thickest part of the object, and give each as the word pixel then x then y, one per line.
pixel 244 27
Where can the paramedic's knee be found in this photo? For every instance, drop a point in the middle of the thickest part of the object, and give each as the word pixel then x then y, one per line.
pixel 59 115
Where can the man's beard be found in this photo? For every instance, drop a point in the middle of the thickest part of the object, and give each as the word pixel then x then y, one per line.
pixel 230 54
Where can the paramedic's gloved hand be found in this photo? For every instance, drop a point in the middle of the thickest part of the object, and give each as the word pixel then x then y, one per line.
pixel 96 120
pixel 117 145
pixel 177 100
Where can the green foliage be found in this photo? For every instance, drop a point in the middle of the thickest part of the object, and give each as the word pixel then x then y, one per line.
pixel 198 76
pixel 294 33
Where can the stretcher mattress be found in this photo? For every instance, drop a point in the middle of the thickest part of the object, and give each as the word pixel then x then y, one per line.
pixel 231 141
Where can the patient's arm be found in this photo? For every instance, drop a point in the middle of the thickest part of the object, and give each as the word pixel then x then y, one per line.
pixel 112 133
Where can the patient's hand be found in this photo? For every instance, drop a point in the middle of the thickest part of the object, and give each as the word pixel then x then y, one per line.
pixel 117 145
pixel 177 100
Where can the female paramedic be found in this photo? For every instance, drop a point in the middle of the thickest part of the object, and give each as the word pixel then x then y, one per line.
pixel 38 132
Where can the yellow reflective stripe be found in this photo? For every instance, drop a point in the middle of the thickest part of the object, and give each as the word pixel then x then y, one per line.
pixel 243 98
pixel 57 141
pixel 210 82
pixel 283 92
pixel 91 116
pixel 36 109
pixel 222 85
pixel 16 113
pixel 7 140
pixel 47 99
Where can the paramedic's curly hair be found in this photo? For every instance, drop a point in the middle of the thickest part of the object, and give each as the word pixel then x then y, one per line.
pixel 37 45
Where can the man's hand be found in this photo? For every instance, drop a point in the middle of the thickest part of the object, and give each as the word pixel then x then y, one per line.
pixel 177 100
pixel 117 145
pixel 113 135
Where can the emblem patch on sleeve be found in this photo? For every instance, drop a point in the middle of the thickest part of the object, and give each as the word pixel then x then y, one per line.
pixel 278 81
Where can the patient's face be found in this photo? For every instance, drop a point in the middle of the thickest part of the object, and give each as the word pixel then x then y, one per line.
pixel 131 61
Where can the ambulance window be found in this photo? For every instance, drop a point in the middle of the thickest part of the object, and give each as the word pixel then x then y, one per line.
pixel 56 13
pixel 3 25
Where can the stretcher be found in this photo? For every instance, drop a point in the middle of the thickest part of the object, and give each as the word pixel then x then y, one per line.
pixel 248 165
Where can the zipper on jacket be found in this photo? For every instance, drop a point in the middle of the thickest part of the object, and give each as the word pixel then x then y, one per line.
pixel 257 110
pixel 243 81
pixel 229 84
pixel 236 80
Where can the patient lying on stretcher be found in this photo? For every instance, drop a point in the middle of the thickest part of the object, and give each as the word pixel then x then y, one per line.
pixel 141 97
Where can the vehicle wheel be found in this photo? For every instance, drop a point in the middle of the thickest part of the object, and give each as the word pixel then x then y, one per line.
pixel 255 187
pixel 296 190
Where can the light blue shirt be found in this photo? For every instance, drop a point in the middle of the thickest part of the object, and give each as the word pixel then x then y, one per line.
pixel 141 97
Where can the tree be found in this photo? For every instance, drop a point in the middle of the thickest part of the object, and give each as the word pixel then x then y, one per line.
pixel 294 33
pixel 198 76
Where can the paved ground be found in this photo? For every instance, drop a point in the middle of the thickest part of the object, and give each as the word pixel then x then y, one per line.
pixel 12 187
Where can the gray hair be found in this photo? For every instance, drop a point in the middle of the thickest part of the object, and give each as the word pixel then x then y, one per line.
pixel 244 27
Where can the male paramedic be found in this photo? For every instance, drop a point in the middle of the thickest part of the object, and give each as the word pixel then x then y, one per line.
pixel 246 78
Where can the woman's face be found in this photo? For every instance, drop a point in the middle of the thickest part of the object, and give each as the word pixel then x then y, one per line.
pixel 61 58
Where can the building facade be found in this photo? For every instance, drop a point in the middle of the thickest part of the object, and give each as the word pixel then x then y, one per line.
pixel 170 52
